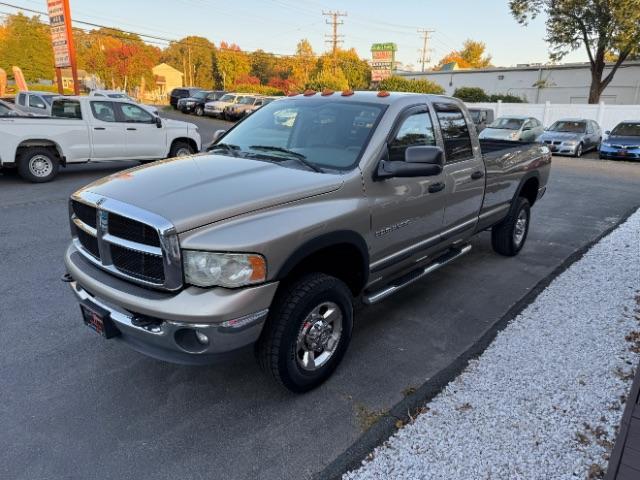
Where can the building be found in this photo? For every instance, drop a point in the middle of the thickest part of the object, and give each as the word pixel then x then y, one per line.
pixel 567 83
pixel 67 79
pixel 166 79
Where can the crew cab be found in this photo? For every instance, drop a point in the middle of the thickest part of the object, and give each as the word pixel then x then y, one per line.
pixel 90 129
pixel 269 239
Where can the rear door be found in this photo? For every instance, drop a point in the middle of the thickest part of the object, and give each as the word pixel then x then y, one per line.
pixel 464 170
pixel 107 134
pixel 144 139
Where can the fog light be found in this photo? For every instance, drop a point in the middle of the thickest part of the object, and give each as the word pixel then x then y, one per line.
pixel 202 338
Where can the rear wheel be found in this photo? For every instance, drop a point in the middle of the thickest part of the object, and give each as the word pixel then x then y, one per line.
pixel 38 164
pixel 510 235
pixel 180 149
pixel 307 332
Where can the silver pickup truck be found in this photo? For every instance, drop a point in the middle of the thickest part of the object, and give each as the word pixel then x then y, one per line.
pixel 309 205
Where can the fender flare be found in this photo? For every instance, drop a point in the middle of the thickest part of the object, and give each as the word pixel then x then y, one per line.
pixel 523 180
pixel 323 241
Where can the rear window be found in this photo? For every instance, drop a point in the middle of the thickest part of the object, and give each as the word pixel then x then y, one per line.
pixel 66 109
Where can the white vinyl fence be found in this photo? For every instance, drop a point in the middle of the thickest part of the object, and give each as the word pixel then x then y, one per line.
pixel 607 116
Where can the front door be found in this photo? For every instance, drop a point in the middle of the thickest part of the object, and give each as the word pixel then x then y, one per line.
pixel 144 139
pixel 406 212
pixel 107 134
pixel 464 171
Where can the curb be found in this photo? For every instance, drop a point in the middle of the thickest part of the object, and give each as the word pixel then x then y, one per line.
pixel 353 456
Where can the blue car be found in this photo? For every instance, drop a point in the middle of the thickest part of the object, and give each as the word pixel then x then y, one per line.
pixel 623 142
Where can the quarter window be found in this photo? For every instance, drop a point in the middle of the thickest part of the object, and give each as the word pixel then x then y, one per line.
pixel 22 99
pixel 134 114
pixel 66 109
pixel 455 132
pixel 416 129
pixel 103 111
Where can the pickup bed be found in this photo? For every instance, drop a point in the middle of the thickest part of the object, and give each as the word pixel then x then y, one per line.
pixel 309 205
pixel 90 129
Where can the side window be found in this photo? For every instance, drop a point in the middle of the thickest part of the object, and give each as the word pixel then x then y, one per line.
pixel 416 129
pixel 36 102
pixel 22 99
pixel 134 114
pixel 103 111
pixel 455 132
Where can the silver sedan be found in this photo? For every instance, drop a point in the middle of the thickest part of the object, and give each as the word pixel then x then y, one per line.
pixel 572 136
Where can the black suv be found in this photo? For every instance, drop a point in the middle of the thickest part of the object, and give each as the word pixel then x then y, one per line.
pixel 195 103
pixel 183 92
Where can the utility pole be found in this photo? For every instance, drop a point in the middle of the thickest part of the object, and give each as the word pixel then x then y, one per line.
pixel 334 39
pixel 425 51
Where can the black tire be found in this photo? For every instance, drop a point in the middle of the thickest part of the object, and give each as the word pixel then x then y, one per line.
pixel 579 150
pixel 504 237
pixel 38 164
pixel 180 149
pixel 278 349
pixel 199 111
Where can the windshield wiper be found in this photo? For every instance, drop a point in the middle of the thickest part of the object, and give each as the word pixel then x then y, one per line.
pixel 298 156
pixel 232 149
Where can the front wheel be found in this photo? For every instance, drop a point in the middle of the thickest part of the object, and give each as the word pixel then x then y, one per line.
pixel 510 235
pixel 307 332
pixel 38 165
pixel 199 111
pixel 180 149
pixel 579 151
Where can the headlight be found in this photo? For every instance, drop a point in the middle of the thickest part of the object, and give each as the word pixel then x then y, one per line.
pixel 570 143
pixel 514 136
pixel 208 269
pixel 606 144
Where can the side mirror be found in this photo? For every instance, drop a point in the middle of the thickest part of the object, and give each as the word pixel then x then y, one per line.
pixel 526 128
pixel 419 162
pixel 217 134
pixel 158 122
pixel 607 132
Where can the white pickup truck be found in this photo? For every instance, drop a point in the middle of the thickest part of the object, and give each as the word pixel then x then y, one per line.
pixel 90 129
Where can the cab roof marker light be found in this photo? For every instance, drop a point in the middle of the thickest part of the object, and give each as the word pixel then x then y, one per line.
pixel 309 93
pixel 326 92
pixel 347 93
pixel 292 94
pixel 383 93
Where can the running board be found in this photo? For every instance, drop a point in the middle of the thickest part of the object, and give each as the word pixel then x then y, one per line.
pixel 416 275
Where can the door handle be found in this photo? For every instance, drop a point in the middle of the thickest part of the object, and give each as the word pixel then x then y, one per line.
pixel 477 175
pixel 99 128
pixel 436 187
pixel 131 128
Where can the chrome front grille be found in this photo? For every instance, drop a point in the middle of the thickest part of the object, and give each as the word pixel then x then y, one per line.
pixel 126 241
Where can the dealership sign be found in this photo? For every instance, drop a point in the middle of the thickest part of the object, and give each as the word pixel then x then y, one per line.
pixel 382 60
pixel 59 20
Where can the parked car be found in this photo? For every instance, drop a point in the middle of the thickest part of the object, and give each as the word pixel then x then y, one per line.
pixel 9 110
pixel 182 92
pixel 216 108
pixel 518 128
pixel 195 104
pixel 240 109
pixel 623 142
pixel 273 236
pixel 572 136
pixel 123 96
pixel 37 103
pixel 481 117
pixel 90 129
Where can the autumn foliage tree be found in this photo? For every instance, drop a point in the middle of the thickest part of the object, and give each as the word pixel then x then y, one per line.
pixel 26 42
pixel 604 28
pixel 472 55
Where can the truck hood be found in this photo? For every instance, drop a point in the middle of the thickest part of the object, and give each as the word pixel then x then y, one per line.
pixel 173 124
pixel 194 191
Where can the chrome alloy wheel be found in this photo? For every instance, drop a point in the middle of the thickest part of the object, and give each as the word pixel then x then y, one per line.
pixel 520 228
pixel 319 336
pixel 183 152
pixel 40 166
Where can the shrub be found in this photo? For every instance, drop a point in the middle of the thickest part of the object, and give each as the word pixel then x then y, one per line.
pixel 400 84
pixel 261 89
pixel 471 94
pixel 507 98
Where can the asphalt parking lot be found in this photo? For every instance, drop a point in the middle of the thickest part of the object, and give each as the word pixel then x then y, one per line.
pixel 75 406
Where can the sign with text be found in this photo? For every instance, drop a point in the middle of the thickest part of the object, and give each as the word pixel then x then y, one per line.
pixel 382 60
pixel 60 32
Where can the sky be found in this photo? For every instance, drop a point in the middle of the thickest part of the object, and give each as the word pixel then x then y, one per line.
pixel 277 25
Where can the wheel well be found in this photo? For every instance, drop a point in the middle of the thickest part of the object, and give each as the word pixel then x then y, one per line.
pixel 530 190
pixel 49 144
pixel 343 261
pixel 190 141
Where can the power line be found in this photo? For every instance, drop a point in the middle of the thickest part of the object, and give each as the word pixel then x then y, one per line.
pixel 425 57
pixel 334 39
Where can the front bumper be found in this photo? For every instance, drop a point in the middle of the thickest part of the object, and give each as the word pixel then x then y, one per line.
pixel 163 325
pixel 186 108
pixel 619 153
pixel 562 149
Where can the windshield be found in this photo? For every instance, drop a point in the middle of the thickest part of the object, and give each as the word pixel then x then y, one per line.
pixel 325 134
pixel 117 95
pixel 227 98
pixel 200 95
pixel 627 130
pixel 246 100
pixel 569 127
pixel 507 124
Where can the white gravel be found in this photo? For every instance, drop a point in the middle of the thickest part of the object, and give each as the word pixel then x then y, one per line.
pixel 544 400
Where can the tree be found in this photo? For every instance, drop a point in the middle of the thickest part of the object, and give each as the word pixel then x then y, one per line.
pixel 472 55
pixel 602 27
pixel 471 94
pixel 26 43
pixel 228 64
pixel 327 78
pixel 400 84
pixel 356 71
pixel 302 63
pixel 191 55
